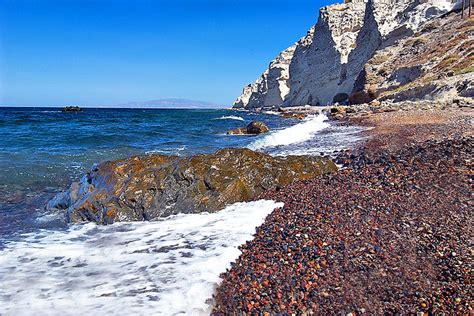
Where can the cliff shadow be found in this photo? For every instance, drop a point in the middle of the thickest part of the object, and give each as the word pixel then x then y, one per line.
pixel 314 68
pixel 368 41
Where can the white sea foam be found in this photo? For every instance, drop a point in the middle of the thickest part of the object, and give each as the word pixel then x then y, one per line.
pixel 292 135
pixel 272 113
pixel 231 117
pixel 171 151
pixel 168 267
pixel 333 138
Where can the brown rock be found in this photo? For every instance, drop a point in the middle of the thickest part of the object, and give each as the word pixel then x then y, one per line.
pixel 257 127
pixel 238 131
pixel 298 116
pixel 375 103
pixel 359 97
pixel 254 128
pixel 155 186
pixel 338 112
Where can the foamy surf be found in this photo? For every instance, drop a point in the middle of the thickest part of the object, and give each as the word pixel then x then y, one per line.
pixel 292 135
pixel 231 117
pixel 168 267
pixel 272 113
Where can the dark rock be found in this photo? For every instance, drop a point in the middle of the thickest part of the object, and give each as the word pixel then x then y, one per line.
pixel 254 128
pixel 238 131
pixel 340 98
pixel 338 112
pixel 155 186
pixel 72 109
pixel 257 127
pixel 364 96
pixel 298 116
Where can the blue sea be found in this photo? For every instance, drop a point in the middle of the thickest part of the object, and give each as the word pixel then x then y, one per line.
pixel 48 266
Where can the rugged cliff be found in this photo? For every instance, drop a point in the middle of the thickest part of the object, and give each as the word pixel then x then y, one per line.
pixel 420 67
pixel 322 67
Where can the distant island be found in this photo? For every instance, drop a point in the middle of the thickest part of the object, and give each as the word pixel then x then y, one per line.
pixel 152 104
pixel 170 104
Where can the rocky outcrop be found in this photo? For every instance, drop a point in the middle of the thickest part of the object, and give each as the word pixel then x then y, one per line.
pixel 156 186
pixel 254 128
pixel 419 67
pixel 323 66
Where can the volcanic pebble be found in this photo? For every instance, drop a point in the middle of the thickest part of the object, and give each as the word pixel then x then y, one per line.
pixel 391 234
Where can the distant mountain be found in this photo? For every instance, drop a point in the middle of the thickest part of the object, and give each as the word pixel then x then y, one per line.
pixel 171 104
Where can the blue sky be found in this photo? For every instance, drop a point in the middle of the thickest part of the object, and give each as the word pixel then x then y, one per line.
pixel 106 52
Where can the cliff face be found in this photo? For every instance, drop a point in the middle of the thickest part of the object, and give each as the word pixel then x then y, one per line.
pixel 435 63
pixel 273 85
pixel 322 67
pixel 271 88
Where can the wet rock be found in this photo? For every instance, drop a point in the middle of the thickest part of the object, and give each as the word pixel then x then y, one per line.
pixel 155 186
pixel 254 128
pixel 238 131
pixel 257 127
pixel 298 116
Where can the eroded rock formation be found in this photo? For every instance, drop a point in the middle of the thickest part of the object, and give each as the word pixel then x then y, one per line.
pixel 155 186
pixel 436 63
pixel 322 67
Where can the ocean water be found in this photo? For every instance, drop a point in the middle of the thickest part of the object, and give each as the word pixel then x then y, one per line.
pixel 140 268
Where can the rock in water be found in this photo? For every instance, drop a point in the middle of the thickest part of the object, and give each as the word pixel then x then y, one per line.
pixel 155 186
pixel 238 131
pixel 72 109
pixel 254 128
pixel 298 116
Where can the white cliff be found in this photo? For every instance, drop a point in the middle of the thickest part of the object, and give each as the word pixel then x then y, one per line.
pixel 271 88
pixel 322 67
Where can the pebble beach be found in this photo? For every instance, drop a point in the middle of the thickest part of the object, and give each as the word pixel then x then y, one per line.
pixel 389 233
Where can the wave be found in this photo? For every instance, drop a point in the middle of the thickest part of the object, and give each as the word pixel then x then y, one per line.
pixel 272 113
pixel 170 266
pixel 170 151
pixel 292 135
pixel 230 117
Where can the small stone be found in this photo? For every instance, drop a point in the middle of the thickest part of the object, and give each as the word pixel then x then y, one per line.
pixel 375 103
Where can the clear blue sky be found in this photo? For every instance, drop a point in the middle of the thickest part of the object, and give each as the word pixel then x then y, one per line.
pixel 57 52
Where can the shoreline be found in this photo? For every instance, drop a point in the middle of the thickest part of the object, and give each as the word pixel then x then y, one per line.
pixel 366 239
pixel 385 123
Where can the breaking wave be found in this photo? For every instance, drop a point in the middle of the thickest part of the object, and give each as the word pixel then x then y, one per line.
pixel 166 267
pixel 231 117
pixel 292 135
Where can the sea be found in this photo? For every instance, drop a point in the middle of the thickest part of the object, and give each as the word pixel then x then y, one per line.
pixel 165 267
